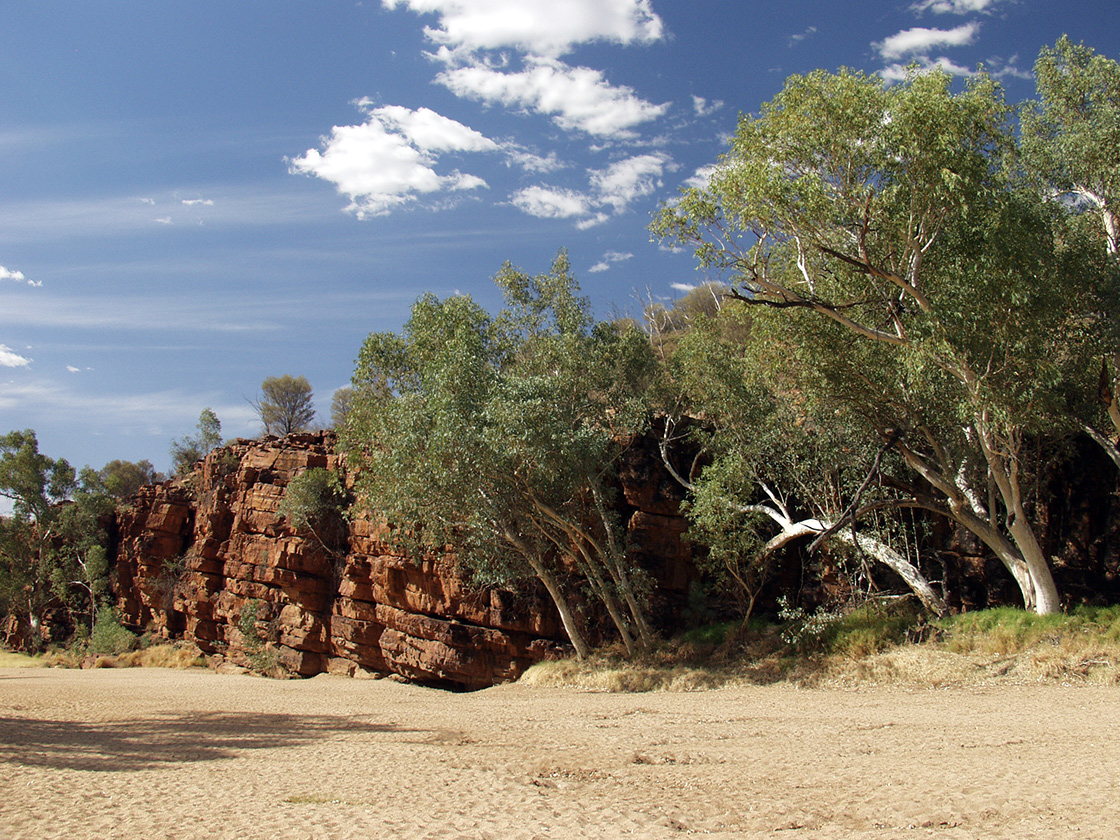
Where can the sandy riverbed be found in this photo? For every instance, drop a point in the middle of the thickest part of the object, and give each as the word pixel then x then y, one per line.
pixel 151 753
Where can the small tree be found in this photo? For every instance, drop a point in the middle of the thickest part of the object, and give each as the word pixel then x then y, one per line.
pixel 285 405
pixel 340 406
pixel 121 479
pixel 193 448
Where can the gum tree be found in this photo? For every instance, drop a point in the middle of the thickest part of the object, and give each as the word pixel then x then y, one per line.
pixel 876 236
pixel 768 472
pixel 285 405
pixel 50 548
pixel 1071 146
pixel 498 436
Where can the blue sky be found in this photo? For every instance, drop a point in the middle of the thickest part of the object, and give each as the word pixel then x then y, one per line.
pixel 197 195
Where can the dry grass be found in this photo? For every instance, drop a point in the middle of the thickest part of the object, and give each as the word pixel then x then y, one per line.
pixel 175 655
pixel 994 646
pixel 8 659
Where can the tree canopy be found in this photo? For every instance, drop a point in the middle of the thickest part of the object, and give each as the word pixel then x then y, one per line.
pixel 285 405
pixel 914 285
pixel 499 434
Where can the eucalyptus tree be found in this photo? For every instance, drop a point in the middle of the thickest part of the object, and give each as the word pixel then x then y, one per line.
pixel 498 435
pixel 876 233
pixel 1071 145
pixel 768 471
pixel 285 405
pixel 190 449
pixel 51 551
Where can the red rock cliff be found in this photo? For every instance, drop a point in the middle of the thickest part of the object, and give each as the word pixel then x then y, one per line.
pixel 209 559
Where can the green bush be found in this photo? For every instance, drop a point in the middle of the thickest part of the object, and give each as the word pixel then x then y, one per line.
pixel 108 635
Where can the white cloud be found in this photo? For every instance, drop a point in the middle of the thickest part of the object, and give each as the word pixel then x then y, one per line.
pixel 548 203
pixel 150 201
pixel 539 27
pixel 390 159
pixel 801 36
pixel 700 178
pixel 577 98
pixel 5 274
pixel 623 182
pixel 205 202
pixel 609 259
pixel 614 188
pixel 531 162
pixel 9 358
pixel 703 107
pixel 920 40
pixel 956 7
pixel 73 369
pixel 684 287
pixel 899 72
pixel 163 220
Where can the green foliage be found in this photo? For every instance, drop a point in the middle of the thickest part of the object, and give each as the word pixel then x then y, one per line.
pixel 51 549
pixel 285 405
pixel 120 480
pixel 904 279
pixel 185 453
pixel 499 434
pixel 108 636
pixel 311 496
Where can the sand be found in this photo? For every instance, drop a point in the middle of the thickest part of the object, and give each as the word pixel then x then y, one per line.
pixel 152 753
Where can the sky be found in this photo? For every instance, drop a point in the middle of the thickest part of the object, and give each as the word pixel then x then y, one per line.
pixel 199 194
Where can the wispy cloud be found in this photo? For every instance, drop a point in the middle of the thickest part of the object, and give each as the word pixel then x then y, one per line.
pixel 193 202
pixel 11 359
pixel 801 36
pixel 956 7
pixel 609 259
pixel 703 107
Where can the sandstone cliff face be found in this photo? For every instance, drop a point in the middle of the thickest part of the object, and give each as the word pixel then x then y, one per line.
pixel 212 561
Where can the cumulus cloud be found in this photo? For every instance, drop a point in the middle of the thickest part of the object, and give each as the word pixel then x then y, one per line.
pixel 609 259
pixel 538 27
pixel 613 188
pixel 627 180
pixel 12 359
pixel 919 40
pixel 474 38
pixel 577 98
pixel 391 158
pixel 6 274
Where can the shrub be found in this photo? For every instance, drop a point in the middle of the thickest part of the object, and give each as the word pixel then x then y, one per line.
pixel 108 635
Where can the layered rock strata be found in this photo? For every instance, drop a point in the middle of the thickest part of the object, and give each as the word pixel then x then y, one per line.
pixel 210 559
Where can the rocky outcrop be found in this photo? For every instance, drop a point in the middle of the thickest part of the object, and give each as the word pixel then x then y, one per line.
pixel 210 559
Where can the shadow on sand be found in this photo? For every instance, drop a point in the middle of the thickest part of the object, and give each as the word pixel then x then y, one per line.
pixel 150 743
